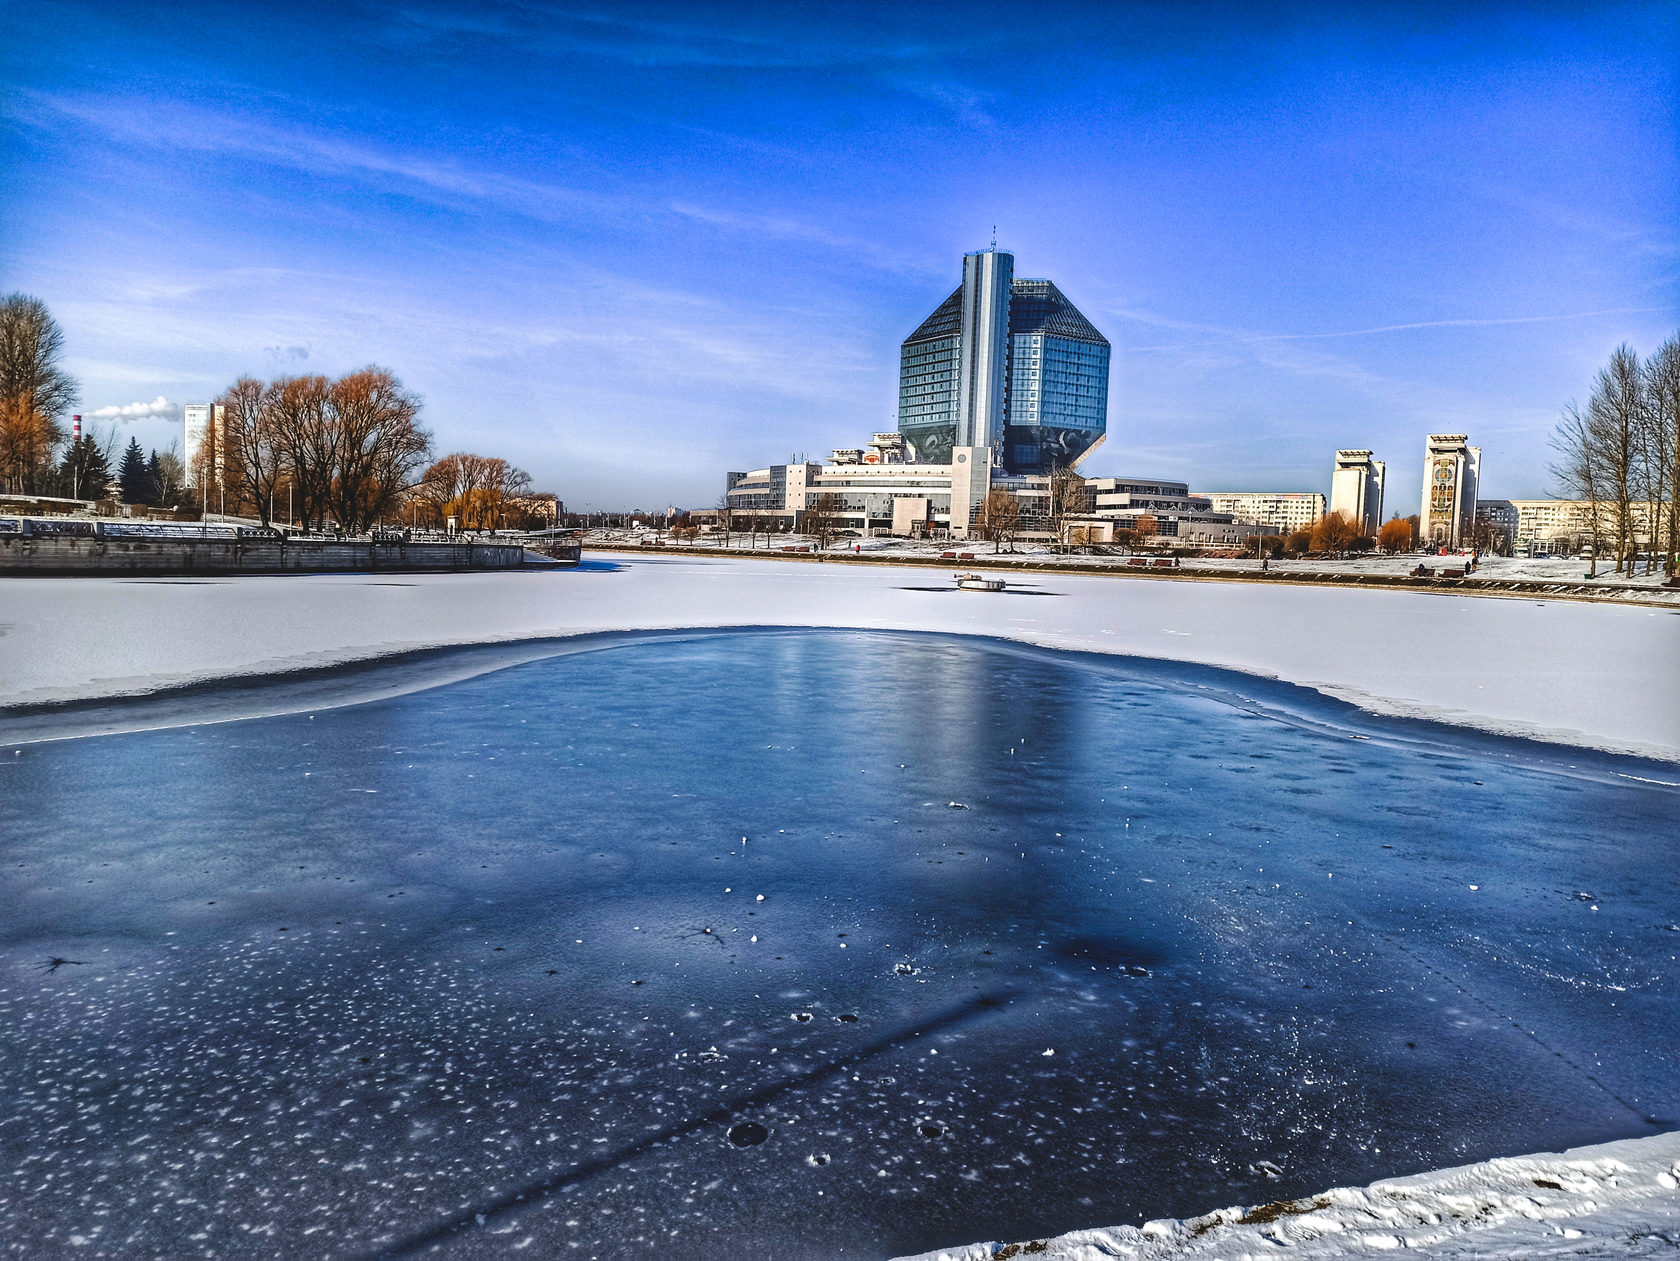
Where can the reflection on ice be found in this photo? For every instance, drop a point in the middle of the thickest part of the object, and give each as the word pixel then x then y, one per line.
pixel 354 981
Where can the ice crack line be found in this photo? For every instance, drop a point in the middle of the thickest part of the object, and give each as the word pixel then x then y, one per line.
pixel 479 1216
pixel 1527 1033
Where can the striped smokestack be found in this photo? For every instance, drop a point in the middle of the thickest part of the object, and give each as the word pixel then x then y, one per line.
pixel 76 428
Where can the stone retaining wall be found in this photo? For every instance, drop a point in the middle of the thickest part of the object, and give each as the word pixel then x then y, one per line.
pixel 39 554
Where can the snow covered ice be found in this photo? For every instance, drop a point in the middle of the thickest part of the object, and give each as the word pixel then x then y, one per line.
pixel 1553 669
pixel 349 975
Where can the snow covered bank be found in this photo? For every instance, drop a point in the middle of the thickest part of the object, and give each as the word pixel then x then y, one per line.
pixel 1614 1199
pixel 1603 676
pixel 1571 571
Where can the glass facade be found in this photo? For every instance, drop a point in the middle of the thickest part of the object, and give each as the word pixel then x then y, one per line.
pixel 1058 381
pixel 928 366
pixel 1054 409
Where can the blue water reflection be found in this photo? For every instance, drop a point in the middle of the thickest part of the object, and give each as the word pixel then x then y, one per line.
pixel 805 944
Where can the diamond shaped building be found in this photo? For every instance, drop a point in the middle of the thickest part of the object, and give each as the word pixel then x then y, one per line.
pixel 1008 364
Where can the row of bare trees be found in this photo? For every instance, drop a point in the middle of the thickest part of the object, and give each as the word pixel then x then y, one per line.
pixel 349 452
pixel 345 451
pixel 478 492
pixel 1620 455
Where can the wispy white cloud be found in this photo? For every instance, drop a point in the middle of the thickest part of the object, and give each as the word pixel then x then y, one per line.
pixel 173 125
pixel 963 104
pixel 638 40
pixel 881 255
pixel 1231 337
pixel 159 406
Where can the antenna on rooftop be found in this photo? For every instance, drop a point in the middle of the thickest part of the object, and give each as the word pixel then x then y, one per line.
pixel 994 238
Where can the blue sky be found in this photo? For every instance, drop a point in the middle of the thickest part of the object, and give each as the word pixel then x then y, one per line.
pixel 630 248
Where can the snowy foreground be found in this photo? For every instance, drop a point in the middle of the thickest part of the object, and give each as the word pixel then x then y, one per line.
pixel 1597 675
pixel 1615 1199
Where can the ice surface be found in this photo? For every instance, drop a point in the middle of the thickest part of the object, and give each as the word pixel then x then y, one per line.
pixel 1597 675
pixel 328 981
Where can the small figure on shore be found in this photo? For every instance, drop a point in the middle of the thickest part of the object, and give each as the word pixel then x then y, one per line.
pixel 1265 565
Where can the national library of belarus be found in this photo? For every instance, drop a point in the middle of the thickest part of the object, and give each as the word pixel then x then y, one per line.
pixel 1003 384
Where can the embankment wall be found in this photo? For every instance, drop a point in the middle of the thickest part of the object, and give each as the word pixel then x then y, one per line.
pixel 46 555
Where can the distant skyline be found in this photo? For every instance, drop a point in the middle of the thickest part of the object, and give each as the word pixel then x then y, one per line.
pixel 629 248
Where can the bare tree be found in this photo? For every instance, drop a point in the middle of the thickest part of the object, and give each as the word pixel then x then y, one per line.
pixel 822 520
pixel 476 490
pixel 171 477
pixel 377 443
pixel 1662 399
pixel 1297 542
pixel 1396 535
pixel 1615 422
pixel 347 450
pixel 34 392
pixel 999 519
pixel 725 516
pixel 252 457
pixel 301 432
pixel 1576 470
pixel 1066 497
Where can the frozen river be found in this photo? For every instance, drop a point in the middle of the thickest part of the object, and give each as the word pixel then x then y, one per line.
pixel 806 943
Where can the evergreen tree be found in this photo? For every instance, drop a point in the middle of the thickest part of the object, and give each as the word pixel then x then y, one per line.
pixel 154 480
pixel 132 475
pixel 84 473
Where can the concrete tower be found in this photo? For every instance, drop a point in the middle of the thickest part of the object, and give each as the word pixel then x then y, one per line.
pixel 1356 488
pixel 984 375
pixel 1452 471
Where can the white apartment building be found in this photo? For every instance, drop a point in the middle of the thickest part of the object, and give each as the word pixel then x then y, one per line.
pixel 1286 510
pixel 1544 524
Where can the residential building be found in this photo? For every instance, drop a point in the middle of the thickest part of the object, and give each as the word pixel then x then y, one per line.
pixel 198 428
pixel 1356 489
pixel 1557 525
pixel 1497 521
pixel 1287 510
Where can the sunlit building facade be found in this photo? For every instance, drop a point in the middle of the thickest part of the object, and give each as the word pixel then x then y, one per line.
pixel 1452 471
pixel 1288 510
pixel 1006 364
pixel 1356 489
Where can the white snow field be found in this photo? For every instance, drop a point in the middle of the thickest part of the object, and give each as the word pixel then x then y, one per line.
pixel 1644 585
pixel 1611 1200
pixel 1598 675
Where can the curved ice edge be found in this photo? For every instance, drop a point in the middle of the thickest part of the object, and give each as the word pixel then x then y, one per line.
pixel 337 679
pixel 1604 1200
